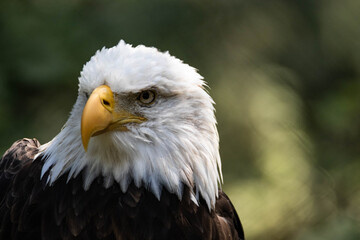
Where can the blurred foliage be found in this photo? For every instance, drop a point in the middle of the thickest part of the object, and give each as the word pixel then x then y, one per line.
pixel 285 76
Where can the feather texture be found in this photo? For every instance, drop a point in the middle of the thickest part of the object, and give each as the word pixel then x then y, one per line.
pixel 31 209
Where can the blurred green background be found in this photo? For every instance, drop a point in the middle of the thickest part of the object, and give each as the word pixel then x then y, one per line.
pixel 285 76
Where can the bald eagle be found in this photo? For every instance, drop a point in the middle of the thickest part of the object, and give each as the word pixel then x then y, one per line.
pixel 138 158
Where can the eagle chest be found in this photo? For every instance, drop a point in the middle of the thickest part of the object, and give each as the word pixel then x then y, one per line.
pixel 66 211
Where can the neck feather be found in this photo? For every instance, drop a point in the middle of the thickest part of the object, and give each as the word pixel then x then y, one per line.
pixel 145 157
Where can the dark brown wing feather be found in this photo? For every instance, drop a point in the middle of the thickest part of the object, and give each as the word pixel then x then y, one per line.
pixel 14 207
pixel 228 218
pixel 29 209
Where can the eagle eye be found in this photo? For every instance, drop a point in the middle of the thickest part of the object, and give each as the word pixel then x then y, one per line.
pixel 147 97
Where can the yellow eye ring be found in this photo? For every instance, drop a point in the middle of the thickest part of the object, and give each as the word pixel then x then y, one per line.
pixel 147 97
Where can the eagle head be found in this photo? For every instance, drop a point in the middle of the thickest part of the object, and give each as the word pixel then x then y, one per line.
pixel 141 116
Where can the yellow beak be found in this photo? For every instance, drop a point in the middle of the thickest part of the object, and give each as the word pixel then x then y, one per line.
pixel 101 115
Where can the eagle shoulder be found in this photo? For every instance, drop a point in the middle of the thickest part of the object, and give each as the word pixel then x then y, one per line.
pixel 22 150
pixel 15 179
pixel 228 222
pixel 21 153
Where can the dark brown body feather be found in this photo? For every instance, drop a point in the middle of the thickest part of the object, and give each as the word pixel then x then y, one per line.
pixel 29 209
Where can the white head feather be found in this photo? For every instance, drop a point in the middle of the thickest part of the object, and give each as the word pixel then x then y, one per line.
pixel 178 144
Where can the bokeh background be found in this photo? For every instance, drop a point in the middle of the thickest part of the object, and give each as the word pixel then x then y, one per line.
pixel 285 76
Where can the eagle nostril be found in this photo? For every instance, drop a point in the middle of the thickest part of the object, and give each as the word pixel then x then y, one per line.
pixel 106 103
